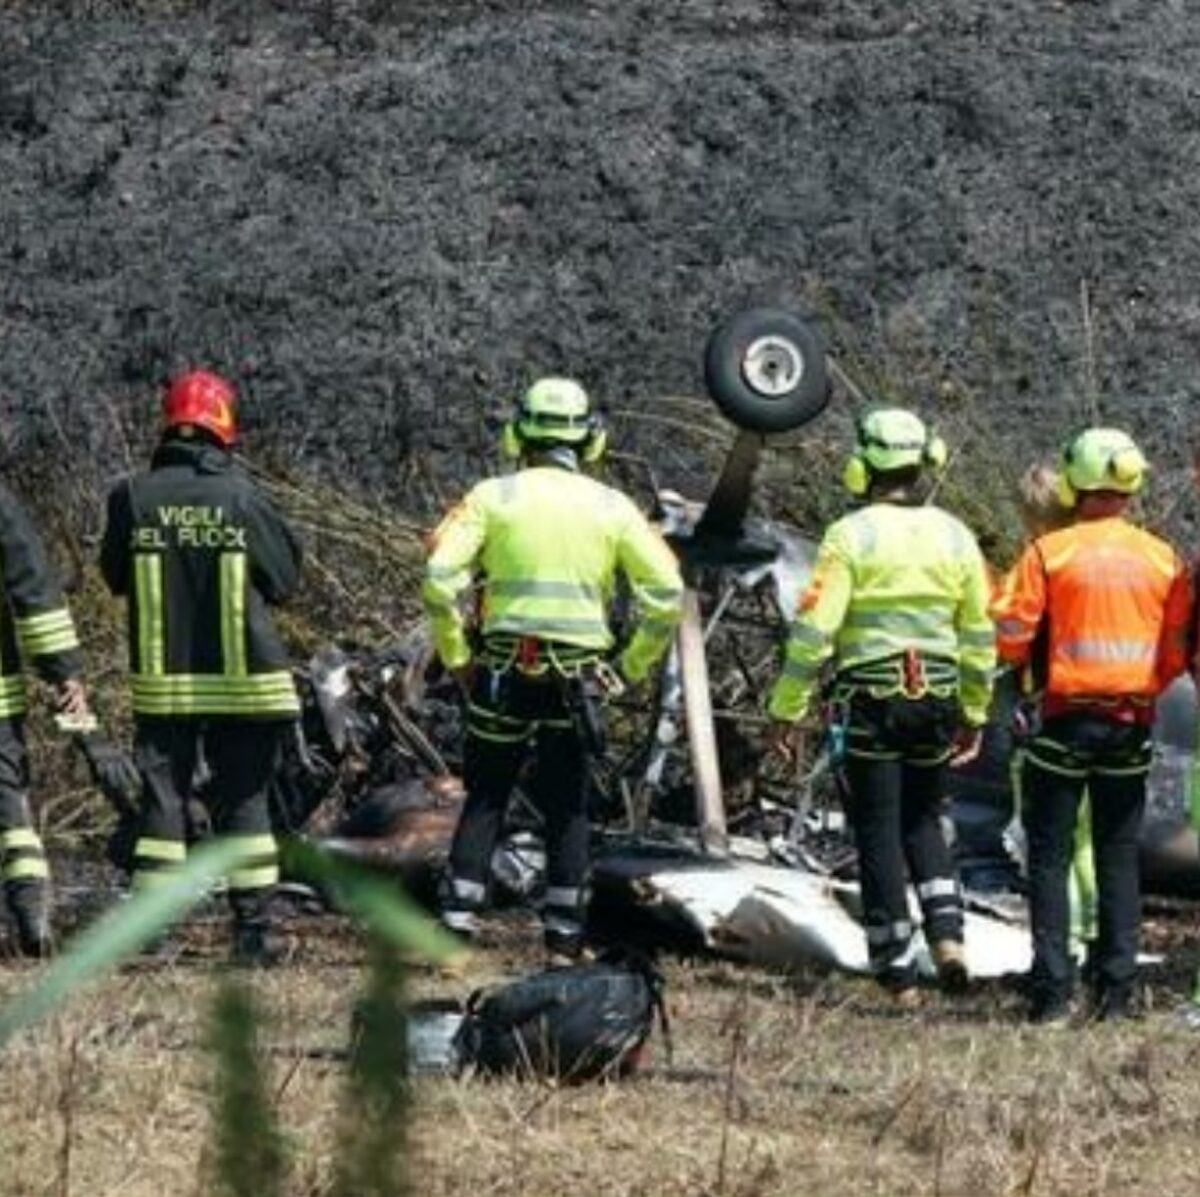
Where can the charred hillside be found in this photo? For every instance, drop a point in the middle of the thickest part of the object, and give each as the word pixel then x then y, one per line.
pixel 383 218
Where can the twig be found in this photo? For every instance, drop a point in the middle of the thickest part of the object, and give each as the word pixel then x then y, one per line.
pixel 68 1082
pixel 1090 385
pixel 731 1076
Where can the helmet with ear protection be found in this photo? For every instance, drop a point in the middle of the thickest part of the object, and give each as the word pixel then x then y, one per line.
pixel 890 438
pixel 553 412
pixel 1100 459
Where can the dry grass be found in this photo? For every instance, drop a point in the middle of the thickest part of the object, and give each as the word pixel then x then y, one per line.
pixel 830 1093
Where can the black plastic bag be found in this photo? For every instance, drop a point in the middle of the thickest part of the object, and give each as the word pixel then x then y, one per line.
pixel 572 1024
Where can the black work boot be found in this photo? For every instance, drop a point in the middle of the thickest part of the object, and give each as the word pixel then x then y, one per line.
pixel 29 903
pixel 255 943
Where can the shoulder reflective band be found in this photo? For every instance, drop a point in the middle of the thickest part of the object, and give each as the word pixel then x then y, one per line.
pixel 148 587
pixel 233 613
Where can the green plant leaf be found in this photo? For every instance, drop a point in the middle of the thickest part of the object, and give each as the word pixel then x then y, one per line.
pixel 120 933
pixel 378 903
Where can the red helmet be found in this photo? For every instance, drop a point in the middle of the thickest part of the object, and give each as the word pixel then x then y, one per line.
pixel 204 400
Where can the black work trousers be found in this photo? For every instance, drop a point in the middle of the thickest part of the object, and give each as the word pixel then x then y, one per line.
pixel 242 756
pixel 510 716
pixel 1111 760
pixel 22 857
pixel 896 760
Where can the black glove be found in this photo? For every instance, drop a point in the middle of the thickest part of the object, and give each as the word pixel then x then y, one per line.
pixel 113 772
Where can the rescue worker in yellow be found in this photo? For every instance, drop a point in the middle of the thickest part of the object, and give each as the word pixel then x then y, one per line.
pixel 545 543
pixel 898 598
pixel 200 553
pixel 36 629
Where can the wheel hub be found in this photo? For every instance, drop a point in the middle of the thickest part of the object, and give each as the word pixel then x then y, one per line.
pixel 772 366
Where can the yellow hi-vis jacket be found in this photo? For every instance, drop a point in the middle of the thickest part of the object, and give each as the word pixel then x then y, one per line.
pixel 888 579
pixel 548 543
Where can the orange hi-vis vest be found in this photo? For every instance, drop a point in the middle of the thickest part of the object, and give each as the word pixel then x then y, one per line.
pixel 1116 602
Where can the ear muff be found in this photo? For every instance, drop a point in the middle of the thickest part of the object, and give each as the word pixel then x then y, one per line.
pixel 594 448
pixel 935 454
pixel 856 477
pixel 510 441
pixel 1128 466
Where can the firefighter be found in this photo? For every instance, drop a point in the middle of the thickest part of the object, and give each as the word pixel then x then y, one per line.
pixel 35 629
pixel 200 553
pixel 1111 605
pixel 898 598
pixel 546 542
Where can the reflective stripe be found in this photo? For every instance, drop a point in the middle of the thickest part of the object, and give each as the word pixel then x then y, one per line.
pixel 905 621
pixel 523 588
pixel 573 625
pixel 148 585
pixel 148 848
pixel 557 895
pixel 888 933
pixel 19 837
pixel 258 877
pixel 661 594
pixel 47 632
pixel 215 694
pixel 468 891
pixel 938 887
pixel 233 614
pixel 981 638
pixel 12 696
pixel 26 866
pixel 801 670
pixel 1095 649
pixel 803 633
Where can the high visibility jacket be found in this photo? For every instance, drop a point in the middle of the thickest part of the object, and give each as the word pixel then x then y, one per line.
pixel 892 582
pixel 199 552
pixel 1115 602
pixel 549 542
pixel 36 628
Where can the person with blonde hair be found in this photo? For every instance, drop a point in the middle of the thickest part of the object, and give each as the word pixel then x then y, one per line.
pixel 1043 511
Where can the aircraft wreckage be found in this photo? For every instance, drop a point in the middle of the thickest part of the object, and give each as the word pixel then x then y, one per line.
pixel 703 843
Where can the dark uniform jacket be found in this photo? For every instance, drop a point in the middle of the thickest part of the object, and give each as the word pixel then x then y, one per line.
pixel 35 626
pixel 199 552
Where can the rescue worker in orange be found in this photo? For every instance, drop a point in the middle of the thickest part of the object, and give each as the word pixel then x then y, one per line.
pixel 1108 605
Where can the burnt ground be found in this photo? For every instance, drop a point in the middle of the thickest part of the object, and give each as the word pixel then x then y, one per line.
pixel 384 218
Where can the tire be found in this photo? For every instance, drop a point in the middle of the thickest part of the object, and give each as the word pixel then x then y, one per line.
pixel 765 370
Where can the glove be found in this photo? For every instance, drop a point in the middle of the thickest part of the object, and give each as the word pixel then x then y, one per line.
pixel 113 772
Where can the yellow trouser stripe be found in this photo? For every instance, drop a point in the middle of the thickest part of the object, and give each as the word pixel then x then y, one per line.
pixel 149 848
pixel 147 568
pixel 26 866
pixel 200 694
pixel 260 877
pixel 20 837
pixel 233 613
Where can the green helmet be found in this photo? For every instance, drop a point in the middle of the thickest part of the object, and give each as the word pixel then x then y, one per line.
pixel 555 409
pixel 891 438
pixel 1103 459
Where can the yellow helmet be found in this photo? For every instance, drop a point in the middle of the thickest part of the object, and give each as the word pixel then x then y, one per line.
pixel 890 438
pixel 1100 459
pixel 555 411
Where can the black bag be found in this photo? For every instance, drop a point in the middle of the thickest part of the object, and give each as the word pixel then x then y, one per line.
pixel 572 1024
